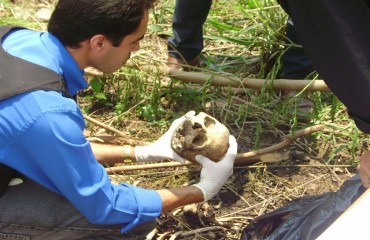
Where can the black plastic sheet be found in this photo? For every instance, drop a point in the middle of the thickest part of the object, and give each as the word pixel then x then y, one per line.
pixel 306 217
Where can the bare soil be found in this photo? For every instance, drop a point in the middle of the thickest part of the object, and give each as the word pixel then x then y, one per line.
pixel 253 189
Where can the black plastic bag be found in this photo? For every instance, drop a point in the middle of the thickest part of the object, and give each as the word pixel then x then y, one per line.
pixel 307 217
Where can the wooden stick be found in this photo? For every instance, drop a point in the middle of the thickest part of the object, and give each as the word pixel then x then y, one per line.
pixel 111 170
pixel 196 231
pixel 103 125
pixel 125 139
pixel 241 159
pixel 287 140
pixel 223 81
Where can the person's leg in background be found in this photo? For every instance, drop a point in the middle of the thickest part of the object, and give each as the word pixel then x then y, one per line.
pixel 186 44
pixel 296 65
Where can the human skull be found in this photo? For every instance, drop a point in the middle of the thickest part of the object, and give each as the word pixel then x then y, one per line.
pixel 201 135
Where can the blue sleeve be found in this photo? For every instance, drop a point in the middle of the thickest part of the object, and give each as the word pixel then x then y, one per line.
pixel 60 158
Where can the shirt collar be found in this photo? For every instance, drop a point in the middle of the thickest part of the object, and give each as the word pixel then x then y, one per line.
pixel 71 72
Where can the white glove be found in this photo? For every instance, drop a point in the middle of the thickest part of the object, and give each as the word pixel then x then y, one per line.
pixel 214 174
pixel 161 149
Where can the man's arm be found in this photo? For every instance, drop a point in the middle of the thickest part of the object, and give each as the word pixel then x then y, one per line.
pixel 111 154
pixel 177 197
pixel 171 198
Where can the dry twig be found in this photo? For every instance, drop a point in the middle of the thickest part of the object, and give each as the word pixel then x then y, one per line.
pixel 196 231
pixel 125 140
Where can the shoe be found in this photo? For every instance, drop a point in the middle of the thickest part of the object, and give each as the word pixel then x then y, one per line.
pixel 178 64
pixel 304 106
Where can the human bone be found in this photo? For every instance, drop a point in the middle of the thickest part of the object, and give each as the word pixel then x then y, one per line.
pixel 201 134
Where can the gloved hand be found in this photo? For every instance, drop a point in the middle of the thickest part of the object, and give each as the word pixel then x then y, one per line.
pixel 214 175
pixel 161 149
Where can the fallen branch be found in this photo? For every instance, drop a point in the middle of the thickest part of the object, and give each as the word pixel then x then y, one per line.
pixel 196 231
pixel 225 81
pixel 287 140
pixel 111 170
pixel 297 166
pixel 241 159
pixel 124 140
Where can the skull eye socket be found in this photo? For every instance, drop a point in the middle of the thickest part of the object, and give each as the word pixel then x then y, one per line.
pixel 209 122
pixel 199 140
pixel 196 126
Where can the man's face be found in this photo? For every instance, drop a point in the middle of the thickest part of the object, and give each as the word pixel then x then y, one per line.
pixel 112 58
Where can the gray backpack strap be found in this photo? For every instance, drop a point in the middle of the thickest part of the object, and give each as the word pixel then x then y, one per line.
pixel 18 75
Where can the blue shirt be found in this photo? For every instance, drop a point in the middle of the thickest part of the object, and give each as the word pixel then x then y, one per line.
pixel 41 136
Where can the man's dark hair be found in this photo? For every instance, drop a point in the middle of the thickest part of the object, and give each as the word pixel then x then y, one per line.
pixel 74 21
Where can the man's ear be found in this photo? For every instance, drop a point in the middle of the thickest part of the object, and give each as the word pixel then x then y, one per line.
pixel 98 42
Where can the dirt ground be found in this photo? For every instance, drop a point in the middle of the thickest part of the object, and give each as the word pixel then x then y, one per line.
pixel 253 189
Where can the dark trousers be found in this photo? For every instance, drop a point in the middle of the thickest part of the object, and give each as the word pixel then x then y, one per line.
pixel 188 19
pixel 335 35
pixel 187 40
pixel 295 63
